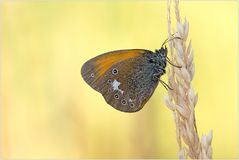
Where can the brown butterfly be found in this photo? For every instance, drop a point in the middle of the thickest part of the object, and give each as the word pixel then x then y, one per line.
pixel 127 78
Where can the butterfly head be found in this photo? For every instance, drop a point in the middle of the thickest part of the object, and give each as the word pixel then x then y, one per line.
pixel 162 55
pixel 163 51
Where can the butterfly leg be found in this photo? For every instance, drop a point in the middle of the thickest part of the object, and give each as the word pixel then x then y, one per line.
pixel 166 86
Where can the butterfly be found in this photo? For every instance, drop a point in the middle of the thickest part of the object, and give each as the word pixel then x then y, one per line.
pixel 127 78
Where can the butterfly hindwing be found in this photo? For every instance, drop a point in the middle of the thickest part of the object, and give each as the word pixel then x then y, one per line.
pixel 131 87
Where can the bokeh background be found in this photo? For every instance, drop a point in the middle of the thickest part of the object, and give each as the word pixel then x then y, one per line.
pixel 48 111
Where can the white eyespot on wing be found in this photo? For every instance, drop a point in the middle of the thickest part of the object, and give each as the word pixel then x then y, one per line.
pixel 132 105
pixel 115 86
pixel 123 101
pixel 114 71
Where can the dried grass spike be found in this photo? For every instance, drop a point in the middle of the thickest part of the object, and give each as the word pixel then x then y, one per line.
pixel 183 99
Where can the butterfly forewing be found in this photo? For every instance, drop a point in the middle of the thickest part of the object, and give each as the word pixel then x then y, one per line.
pixel 94 69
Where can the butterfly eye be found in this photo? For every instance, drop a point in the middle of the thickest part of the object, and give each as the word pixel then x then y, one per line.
pixel 114 71
pixel 116 96
pixel 123 102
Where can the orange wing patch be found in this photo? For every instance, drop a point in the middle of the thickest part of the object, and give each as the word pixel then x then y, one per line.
pixel 105 62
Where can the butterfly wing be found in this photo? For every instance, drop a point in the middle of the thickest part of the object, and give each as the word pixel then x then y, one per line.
pixel 124 78
pixel 94 69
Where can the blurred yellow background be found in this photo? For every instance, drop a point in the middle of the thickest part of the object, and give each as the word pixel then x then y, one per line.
pixel 48 111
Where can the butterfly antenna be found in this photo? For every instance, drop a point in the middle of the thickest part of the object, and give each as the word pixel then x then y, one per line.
pixel 172 63
pixel 166 86
pixel 170 39
pixel 164 42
